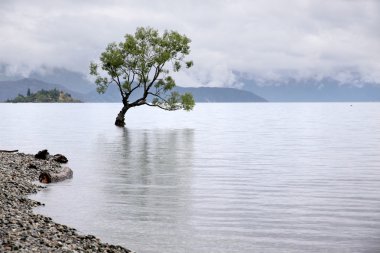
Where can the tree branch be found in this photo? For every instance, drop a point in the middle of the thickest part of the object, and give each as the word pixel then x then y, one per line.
pixel 117 81
pixel 120 88
pixel 156 74
pixel 141 101
pixel 158 96
pixel 159 106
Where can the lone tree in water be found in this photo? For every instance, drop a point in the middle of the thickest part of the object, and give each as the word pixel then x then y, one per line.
pixel 139 65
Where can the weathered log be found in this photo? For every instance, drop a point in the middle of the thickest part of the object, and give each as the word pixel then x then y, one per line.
pixel 9 151
pixel 48 177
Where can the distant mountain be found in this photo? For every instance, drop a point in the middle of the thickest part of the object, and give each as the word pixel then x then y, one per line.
pixel 311 90
pixel 226 95
pixel 74 81
pixel 286 90
pixel 201 94
pixel 10 89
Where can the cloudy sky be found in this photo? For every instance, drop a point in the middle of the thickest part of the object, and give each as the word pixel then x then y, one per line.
pixel 262 39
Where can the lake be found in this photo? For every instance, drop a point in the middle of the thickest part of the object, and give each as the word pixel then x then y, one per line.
pixel 266 177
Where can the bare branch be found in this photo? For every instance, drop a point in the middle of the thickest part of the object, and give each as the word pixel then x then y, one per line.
pixel 134 88
pixel 119 85
pixel 133 77
pixel 159 106
pixel 158 96
pixel 120 88
pixel 156 74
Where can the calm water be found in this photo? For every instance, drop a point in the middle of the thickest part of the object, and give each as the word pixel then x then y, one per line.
pixel 223 178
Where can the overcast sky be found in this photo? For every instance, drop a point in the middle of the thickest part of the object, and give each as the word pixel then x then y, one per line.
pixel 264 39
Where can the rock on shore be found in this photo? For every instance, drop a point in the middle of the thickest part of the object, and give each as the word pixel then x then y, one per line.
pixel 22 230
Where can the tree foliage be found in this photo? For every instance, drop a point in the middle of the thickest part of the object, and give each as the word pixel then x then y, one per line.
pixel 141 64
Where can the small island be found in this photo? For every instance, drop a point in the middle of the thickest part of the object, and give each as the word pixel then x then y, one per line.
pixel 44 96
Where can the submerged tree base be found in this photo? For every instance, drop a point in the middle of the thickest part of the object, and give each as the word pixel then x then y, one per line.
pixel 119 123
pixel 120 119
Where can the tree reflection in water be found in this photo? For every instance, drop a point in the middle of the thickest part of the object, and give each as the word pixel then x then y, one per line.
pixel 149 173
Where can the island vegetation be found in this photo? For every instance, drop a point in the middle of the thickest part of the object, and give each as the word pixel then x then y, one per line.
pixel 44 96
pixel 139 66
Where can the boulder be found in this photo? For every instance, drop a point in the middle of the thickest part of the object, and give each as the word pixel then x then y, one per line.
pixel 43 154
pixel 60 158
pixel 49 177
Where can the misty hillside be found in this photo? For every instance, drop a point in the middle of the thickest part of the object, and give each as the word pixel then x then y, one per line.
pixel 285 90
pixel 228 95
pixel 311 90
pixel 72 80
pixel 10 89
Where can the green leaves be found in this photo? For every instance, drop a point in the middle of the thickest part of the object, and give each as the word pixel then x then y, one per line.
pixel 102 84
pixel 176 66
pixel 168 84
pixel 127 86
pixel 174 101
pixel 143 61
pixel 189 64
pixel 187 102
pixel 93 69
pixel 112 60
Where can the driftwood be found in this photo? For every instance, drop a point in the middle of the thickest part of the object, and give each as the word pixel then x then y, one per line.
pixel 48 177
pixel 9 151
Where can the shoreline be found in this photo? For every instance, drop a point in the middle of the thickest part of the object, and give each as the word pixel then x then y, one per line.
pixel 23 230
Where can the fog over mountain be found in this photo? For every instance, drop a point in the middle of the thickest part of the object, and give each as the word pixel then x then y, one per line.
pixel 73 81
pixel 12 88
pixel 252 90
pixel 266 41
pixel 314 90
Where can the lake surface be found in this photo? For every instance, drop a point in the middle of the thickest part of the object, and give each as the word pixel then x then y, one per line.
pixel 268 177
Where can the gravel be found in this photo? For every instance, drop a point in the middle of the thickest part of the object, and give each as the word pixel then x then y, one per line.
pixel 23 231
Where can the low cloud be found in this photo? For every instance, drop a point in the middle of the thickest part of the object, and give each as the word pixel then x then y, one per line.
pixel 255 39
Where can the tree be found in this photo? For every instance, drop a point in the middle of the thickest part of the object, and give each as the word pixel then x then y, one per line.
pixel 139 65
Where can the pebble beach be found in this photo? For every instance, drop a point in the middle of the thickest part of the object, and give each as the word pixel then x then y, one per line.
pixel 21 230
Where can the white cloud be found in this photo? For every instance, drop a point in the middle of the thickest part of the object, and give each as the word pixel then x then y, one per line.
pixel 261 38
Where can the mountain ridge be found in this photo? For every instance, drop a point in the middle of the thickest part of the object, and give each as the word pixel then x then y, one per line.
pixel 313 90
pixel 285 89
pixel 11 89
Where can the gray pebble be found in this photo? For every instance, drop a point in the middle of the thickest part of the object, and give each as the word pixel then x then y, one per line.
pixel 23 231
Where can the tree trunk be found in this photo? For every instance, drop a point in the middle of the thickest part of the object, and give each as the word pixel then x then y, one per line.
pixel 120 119
pixel 47 177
